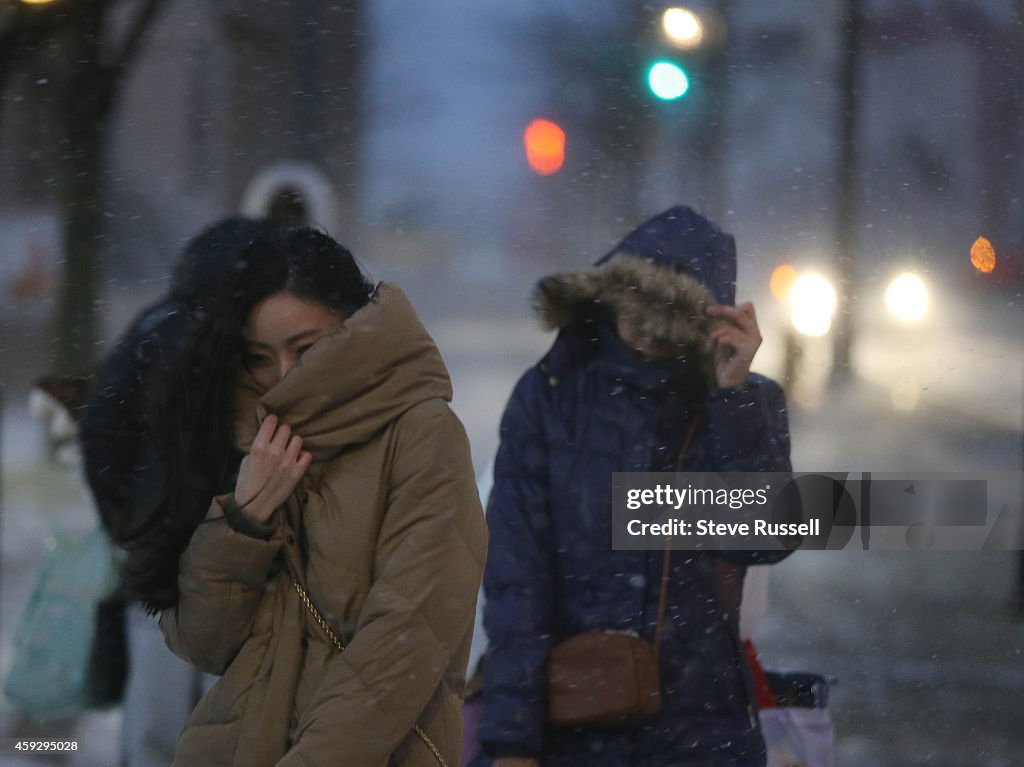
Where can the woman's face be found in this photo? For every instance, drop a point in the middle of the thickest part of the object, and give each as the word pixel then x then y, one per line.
pixel 279 330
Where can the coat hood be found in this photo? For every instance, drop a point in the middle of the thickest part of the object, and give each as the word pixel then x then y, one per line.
pixel 666 272
pixel 350 385
pixel 683 240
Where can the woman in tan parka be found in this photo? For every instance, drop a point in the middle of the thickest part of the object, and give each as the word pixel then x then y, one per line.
pixel 331 581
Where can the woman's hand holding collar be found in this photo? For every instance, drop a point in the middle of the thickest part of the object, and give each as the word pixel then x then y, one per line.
pixel 270 472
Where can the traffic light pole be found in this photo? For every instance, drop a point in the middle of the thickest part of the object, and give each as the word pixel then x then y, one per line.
pixel 848 173
pixel 712 130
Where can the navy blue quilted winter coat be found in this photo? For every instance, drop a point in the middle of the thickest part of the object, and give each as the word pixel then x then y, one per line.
pixel 589 408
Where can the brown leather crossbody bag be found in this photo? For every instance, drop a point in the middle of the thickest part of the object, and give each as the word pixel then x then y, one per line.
pixel 606 678
pixel 609 678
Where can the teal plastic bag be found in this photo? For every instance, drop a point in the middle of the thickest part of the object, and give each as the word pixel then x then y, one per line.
pixel 49 676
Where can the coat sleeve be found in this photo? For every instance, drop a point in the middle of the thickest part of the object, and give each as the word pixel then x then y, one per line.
pixel 748 430
pixel 518 614
pixel 420 610
pixel 748 427
pixel 120 459
pixel 221 583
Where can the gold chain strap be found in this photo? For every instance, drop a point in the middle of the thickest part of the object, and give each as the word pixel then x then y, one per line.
pixel 337 643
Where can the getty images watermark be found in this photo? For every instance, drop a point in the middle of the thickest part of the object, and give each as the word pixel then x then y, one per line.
pixel 781 511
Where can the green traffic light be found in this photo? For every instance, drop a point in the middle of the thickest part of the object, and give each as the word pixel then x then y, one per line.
pixel 667 81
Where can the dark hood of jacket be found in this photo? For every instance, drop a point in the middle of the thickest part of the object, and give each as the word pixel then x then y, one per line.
pixel 683 240
pixel 663 276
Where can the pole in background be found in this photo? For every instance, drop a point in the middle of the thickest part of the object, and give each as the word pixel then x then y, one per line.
pixel 848 173
pixel 1 502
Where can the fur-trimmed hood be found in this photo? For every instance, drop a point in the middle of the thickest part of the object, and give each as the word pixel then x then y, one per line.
pixel 666 306
pixel 663 274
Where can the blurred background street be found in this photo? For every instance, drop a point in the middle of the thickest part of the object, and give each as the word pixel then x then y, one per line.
pixel 866 154
pixel 926 647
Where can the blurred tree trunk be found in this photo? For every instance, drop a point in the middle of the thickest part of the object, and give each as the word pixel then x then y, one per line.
pixel 85 107
pixel 90 80
pixel 848 183
pixel 999 119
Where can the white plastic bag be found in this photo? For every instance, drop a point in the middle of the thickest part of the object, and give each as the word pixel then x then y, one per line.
pixel 796 736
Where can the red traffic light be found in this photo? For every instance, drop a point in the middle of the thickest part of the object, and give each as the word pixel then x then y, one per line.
pixel 544 142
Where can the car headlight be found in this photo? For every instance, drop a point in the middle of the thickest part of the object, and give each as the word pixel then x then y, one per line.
pixel 906 298
pixel 812 304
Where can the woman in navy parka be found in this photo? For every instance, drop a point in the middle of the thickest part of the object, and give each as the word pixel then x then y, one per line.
pixel 649 340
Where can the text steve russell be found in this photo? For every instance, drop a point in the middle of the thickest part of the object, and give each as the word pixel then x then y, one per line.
pixel 708 527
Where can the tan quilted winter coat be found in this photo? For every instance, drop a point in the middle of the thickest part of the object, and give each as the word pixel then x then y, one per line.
pixel 386 533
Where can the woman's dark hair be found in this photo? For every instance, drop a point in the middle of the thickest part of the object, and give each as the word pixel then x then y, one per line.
pixel 194 421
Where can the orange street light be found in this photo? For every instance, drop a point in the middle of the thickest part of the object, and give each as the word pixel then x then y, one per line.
pixel 983 256
pixel 781 281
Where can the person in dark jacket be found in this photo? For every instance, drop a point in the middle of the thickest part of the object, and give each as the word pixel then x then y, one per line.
pixel 121 465
pixel 649 343
pixel 125 473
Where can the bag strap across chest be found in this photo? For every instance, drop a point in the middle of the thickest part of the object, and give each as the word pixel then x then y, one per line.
pixel 666 564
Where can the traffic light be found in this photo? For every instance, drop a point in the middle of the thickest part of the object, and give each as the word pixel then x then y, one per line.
pixel 682 28
pixel 667 80
pixel 544 142
pixel 683 38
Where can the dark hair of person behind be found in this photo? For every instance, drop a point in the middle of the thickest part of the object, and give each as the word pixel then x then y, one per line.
pixel 194 421
pixel 211 253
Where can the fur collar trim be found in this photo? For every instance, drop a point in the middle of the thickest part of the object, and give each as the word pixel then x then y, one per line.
pixel 666 305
